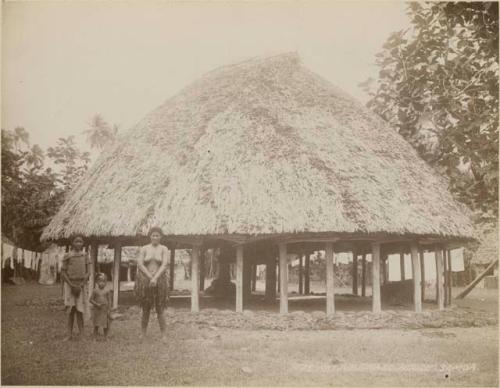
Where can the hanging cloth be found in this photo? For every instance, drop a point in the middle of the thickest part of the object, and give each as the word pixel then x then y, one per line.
pixel 7 253
pixel 457 260
pixel 19 256
pixel 26 258
pixel 47 269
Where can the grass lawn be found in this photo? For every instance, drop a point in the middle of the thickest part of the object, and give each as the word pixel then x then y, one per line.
pixel 200 351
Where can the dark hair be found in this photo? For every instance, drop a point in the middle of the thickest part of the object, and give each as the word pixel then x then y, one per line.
pixel 78 235
pixel 100 276
pixel 156 229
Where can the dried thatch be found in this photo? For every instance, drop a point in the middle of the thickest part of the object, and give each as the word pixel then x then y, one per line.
pixel 263 146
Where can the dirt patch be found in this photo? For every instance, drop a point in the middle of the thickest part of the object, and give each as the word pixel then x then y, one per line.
pixel 220 347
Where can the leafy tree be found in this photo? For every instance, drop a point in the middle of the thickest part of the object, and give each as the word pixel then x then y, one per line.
pixel 100 133
pixel 438 86
pixel 70 159
pixel 31 192
pixel 30 195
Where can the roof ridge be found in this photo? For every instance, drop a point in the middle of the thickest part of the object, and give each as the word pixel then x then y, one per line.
pixel 290 57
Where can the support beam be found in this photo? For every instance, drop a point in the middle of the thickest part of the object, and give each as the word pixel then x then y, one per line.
pixel 474 283
pixel 437 270
pixel 239 278
pixel 422 274
pixel 202 270
pixel 354 273
pixel 439 278
pixel 271 280
pixel 417 287
pixel 247 279
pixel 195 279
pixel 402 265
pixel 254 277
pixel 383 262
pixel 283 277
pixel 94 250
pixel 376 301
pixel 330 276
pixel 172 268
pixel 450 279
pixel 307 275
pixel 363 275
pixel 301 275
pixel 279 276
pixel 116 273
pixel 445 277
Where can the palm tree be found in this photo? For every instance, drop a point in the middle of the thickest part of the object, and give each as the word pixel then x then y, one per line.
pixel 20 134
pixel 35 157
pixel 100 133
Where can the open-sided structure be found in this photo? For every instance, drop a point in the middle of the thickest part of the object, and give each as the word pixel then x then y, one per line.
pixel 266 158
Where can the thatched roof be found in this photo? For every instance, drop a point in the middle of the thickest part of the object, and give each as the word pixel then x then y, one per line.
pixel 263 146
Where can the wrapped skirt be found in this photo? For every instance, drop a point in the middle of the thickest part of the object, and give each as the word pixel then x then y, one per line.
pixel 153 296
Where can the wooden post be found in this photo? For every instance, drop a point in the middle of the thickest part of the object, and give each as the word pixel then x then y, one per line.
pixel 283 278
pixel 354 273
pixel 129 270
pixel 363 275
pixel 402 265
pixel 116 273
pixel 307 277
pixel 279 276
pixel 195 279
pixel 422 273
pixel 437 270
pixel 202 270
pixel 172 268
pixel 330 286
pixel 383 263
pixel 445 277
pixel 271 280
pixel 254 277
pixel 417 287
pixel 94 249
pixel 239 279
pixel 376 301
pixel 448 255
pixel 301 276
pixel 247 279
pixel 439 278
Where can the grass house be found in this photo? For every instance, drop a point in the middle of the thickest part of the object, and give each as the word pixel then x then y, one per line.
pixel 261 159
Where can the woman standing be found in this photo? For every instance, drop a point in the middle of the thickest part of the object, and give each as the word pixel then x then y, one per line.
pixel 151 283
pixel 75 274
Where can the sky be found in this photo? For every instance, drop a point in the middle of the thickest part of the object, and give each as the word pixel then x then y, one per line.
pixel 63 62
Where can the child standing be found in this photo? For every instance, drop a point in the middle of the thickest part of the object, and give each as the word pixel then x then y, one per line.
pixel 101 302
pixel 75 274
